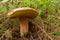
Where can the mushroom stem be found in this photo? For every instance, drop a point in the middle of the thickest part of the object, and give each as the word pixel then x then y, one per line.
pixel 23 26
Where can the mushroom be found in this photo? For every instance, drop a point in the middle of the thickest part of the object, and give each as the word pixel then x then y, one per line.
pixel 23 14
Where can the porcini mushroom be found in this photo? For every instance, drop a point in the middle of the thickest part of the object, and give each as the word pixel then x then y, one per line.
pixel 23 14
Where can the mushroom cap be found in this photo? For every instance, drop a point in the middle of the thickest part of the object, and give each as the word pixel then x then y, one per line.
pixel 23 12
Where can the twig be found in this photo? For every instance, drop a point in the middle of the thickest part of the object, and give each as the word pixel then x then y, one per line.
pixel 39 36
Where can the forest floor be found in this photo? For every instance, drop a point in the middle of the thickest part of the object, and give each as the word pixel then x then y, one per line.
pixel 45 27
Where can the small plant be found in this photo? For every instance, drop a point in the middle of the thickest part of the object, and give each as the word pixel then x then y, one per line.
pixel 56 33
pixel 26 3
pixel 2 8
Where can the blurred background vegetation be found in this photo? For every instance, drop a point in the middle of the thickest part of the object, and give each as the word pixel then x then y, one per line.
pixel 49 11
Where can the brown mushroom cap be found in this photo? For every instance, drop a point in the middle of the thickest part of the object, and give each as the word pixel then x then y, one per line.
pixel 23 12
